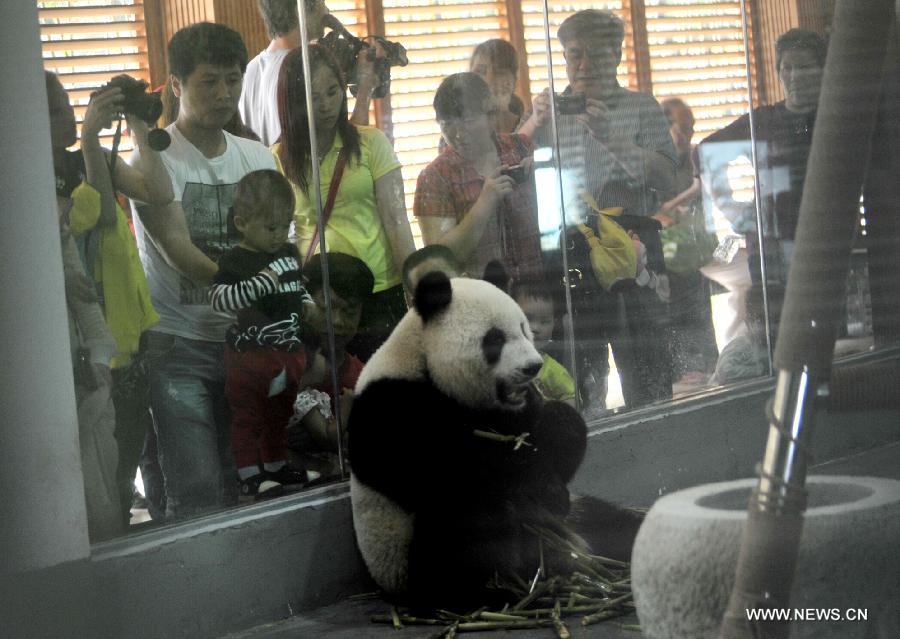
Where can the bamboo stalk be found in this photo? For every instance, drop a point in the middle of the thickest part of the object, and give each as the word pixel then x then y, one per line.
pixel 499 616
pixel 405 619
pixel 477 626
pixel 561 631
pixel 587 620
pixel 395 619
pixel 517 440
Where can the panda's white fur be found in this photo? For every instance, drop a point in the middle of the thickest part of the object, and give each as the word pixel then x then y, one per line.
pixel 448 348
pixel 383 534
pixel 466 362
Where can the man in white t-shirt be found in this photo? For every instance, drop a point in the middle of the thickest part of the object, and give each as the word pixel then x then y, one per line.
pixel 179 245
pixel 259 99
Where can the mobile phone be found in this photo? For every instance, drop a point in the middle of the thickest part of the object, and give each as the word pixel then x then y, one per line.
pixel 517 173
pixel 570 104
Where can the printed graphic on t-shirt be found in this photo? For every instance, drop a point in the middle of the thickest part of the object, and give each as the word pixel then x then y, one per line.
pixel 280 336
pixel 206 209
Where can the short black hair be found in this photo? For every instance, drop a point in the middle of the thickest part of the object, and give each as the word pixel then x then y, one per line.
pixel 432 251
pixel 803 39
pixel 280 16
pixel 205 43
pixel 462 94
pixel 348 276
pixel 592 24
pixel 263 191
pixel 533 285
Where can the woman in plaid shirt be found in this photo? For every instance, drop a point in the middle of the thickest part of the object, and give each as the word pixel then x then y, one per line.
pixel 464 197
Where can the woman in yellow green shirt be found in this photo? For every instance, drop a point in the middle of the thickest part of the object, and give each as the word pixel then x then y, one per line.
pixel 368 219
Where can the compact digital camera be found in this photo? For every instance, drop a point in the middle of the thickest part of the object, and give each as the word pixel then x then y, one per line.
pixel 572 104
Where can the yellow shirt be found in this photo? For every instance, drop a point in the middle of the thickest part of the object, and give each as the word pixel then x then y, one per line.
pixel 126 296
pixel 354 226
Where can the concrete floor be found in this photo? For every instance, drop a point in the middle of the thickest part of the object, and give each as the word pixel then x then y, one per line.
pixel 350 619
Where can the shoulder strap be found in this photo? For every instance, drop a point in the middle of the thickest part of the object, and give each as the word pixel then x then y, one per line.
pixel 329 202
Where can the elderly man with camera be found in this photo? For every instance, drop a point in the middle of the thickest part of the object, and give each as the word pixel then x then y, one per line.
pixel 614 146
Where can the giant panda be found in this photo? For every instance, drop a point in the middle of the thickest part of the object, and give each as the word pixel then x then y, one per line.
pixel 442 493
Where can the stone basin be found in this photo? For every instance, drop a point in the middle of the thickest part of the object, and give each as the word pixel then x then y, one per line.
pixel 686 552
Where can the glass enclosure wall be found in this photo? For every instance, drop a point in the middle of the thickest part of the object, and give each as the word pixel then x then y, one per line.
pixel 635 168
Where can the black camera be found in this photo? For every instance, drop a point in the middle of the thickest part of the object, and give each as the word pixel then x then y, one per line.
pixel 516 172
pixel 138 102
pixel 142 104
pixel 346 47
pixel 570 104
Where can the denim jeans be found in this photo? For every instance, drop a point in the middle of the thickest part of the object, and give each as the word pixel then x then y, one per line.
pixel 192 423
pixel 131 396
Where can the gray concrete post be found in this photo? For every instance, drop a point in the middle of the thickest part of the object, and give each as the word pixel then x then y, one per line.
pixel 42 508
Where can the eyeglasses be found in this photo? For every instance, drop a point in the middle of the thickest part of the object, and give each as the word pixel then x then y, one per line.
pixel 575 54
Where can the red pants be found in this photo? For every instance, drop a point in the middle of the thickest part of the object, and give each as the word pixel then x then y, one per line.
pixel 258 422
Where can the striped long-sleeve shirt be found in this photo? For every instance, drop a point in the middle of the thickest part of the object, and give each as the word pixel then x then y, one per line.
pixel 269 312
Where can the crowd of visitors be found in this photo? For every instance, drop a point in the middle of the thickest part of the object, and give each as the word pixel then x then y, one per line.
pixel 200 341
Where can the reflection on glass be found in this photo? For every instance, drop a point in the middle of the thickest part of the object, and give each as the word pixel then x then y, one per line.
pixel 615 154
pixel 669 287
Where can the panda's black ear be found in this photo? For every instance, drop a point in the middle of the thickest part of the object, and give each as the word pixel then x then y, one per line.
pixel 496 275
pixel 433 294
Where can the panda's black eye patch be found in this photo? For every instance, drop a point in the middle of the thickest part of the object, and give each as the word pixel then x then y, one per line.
pixel 492 345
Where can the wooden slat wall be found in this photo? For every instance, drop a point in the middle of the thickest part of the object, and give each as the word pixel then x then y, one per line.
pixel 636 24
pixel 243 17
pixel 772 18
pixel 697 53
pixel 816 15
pixel 87 43
pixel 166 17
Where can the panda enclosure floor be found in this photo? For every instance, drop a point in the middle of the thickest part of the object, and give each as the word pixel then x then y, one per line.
pixel 349 619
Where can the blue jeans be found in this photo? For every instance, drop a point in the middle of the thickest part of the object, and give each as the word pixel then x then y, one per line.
pixel 192 423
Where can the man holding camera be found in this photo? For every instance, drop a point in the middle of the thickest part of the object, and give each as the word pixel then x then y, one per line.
pixel 615 146
pixel 179 246
pixel 259 99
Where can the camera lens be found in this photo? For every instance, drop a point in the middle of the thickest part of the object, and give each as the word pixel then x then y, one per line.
pixel 159 139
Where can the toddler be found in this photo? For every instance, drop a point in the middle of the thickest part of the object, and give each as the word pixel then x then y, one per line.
pixel 536 301
pixel 265 357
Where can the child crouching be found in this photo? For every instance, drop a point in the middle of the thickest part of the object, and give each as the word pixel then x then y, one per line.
pixel 265 357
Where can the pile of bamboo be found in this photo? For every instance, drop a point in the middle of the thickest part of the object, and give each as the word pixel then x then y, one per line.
pixel 598 589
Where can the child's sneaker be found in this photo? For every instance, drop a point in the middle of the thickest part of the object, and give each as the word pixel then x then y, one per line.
pixel 261 486
pixel 288 476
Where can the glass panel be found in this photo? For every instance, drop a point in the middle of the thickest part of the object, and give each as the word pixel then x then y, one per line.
pixel 626 212
pixel 783 129
pixel 642 242
pixel 221 391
